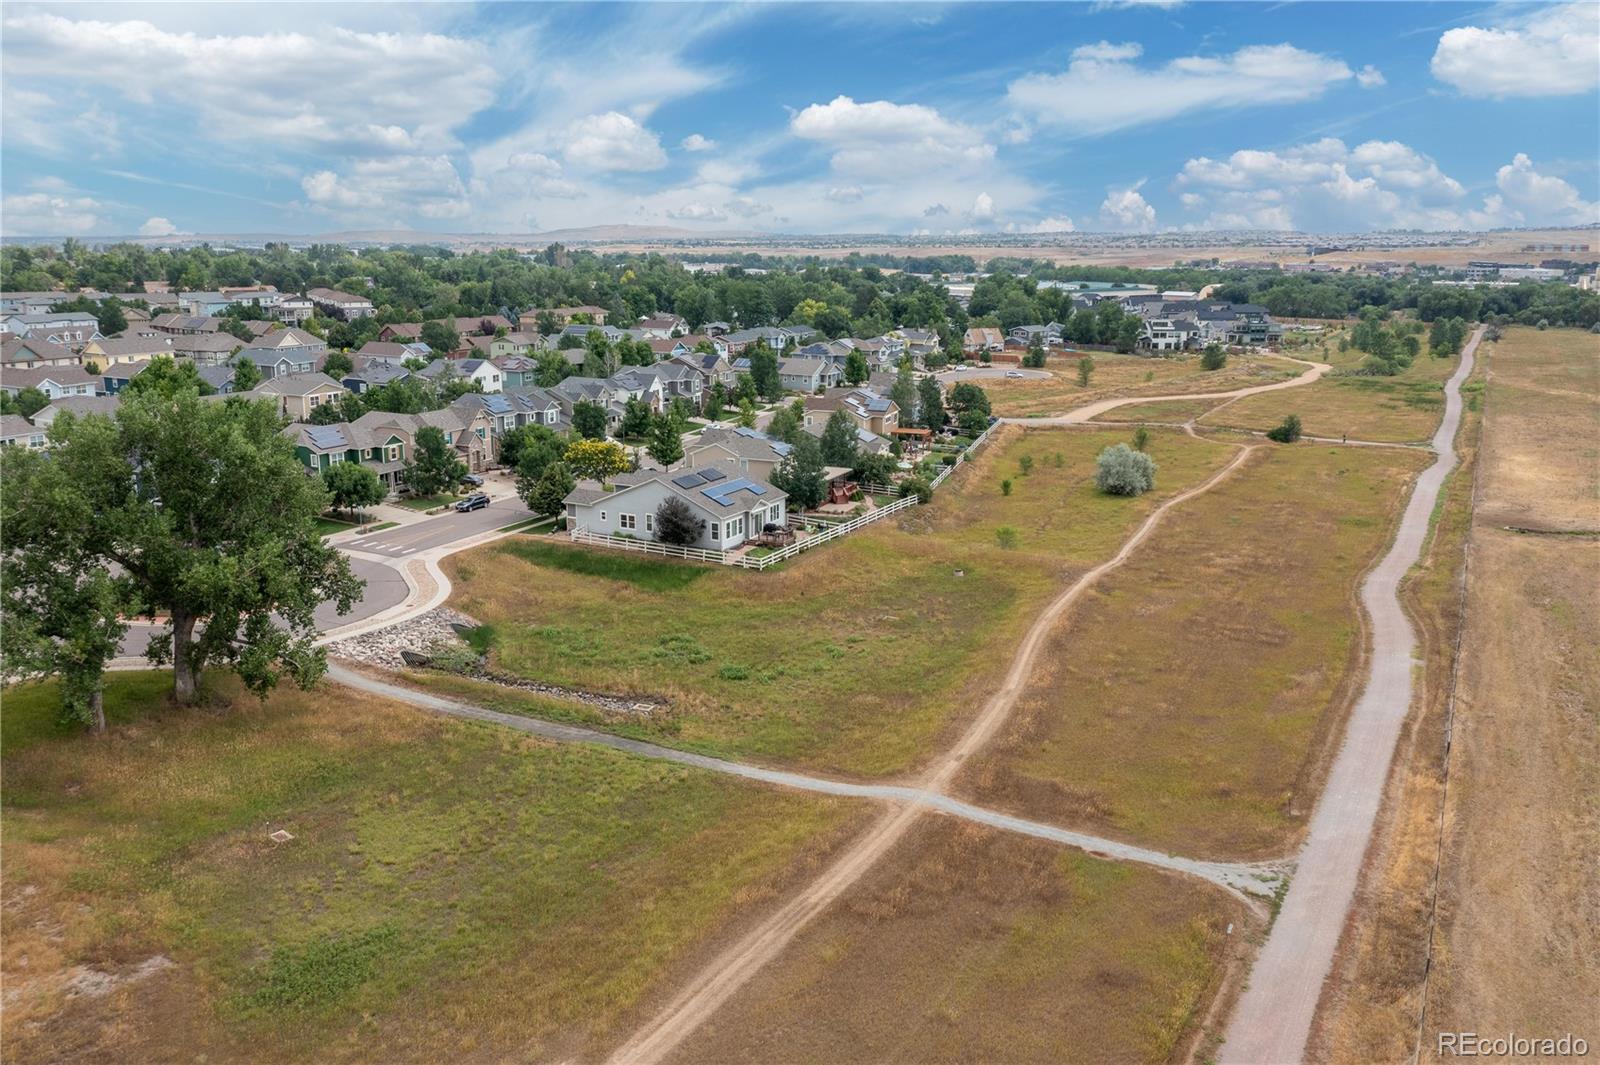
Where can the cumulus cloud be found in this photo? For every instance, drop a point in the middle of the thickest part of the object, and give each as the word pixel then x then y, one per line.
pixel 698 212
pixel 880 138
pixel 1552 52
pixel 1370 77
pixel 1053 224
pixel 613 141
pixel 1124 94
pixel 334 89
pixel 845 194
pixel 982 207
pixel 1127 209
pixel 1375 185
pixel 390 188
pixel 933 210
pixel 694 142
pixel 43 214
pixel 156 226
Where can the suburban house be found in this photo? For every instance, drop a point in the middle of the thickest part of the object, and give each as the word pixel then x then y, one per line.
pixel 336 304
pixel 777 337
pixel 53 381
pixel 981 338
pixel 712 368
pixel 297 395
pixel 218 375
pixel 371 374
pixel 205 304
pixel 808 375
pixel 512 410
pixel 288 351
pixel 23 353
pixel 104 353
pixel 1048 335
pixel 513 344
pixel 635 382
pixel 466 428
pixel 17 431
pixel 293 309
pixel 517 371
pixel 662 326
pixel 676 381
pixel 484 325
pixel 875 413
pixel 731 509
pixel 186 323
pixel 528 321
pixel 78 406
pixel 392 352
pixel 401 332
pixel 385 450
pixel 484 372
pixel 72 328
pixel 581 330
pixel 206 348
pixel 40 302
pixel 1168 334
pixel 919 343
pixel 116 377
pixel 752 453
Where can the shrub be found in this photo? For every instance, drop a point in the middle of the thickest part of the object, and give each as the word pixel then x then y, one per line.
pixel 1141 439
pixel 676 523
pixel 1005 487
pixel 1287 432
pixel 918 487
pixel 733 673
pixel 1026 464
pixel 1006 537
pixel 1214 357
pixel 1122 471
pixel 949 460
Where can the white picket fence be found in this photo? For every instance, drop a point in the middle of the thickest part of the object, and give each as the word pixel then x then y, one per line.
pixel 728 558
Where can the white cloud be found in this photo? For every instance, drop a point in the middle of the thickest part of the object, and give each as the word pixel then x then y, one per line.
pixel 1127 209
pixel 1325 185
pixel 1552 52
pixel 880 138
pixel 845 194
pixel 934 210
pixel 156 226
pixel 42 214
pixel 1053 224
pixel 390 189
pixel 1120 5
pixel 613 141
pixel 335 89
pixel 982 208
pixel 694 142
pixel 1102 89
pixel 1370 77
pixel 1541 198
pixel 698 212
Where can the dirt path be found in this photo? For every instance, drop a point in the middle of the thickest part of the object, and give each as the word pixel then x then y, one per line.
pixel 704 993
pixel 1273 1018
pixel 1093 410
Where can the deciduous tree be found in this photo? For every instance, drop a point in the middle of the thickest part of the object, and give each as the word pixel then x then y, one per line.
pixel 434 465
pixel 595 460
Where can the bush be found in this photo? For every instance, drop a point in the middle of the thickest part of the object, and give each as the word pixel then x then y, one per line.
pixel 1141 439
pixel 1006 537
pixel 1122 471
pixel 918 487
pixel 1005 488
pixel 1214 357
pixel 949 460
pixel 733 673
pixel 676 523
pixel 1287 432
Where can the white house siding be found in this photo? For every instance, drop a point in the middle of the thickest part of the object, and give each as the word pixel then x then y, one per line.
pixel 632 513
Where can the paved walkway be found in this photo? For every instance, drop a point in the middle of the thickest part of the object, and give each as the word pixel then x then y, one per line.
pixel 1273 1019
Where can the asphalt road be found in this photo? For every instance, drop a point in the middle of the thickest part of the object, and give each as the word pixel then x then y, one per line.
pixel 374 558
pixel 980 372
pixel 1273 1019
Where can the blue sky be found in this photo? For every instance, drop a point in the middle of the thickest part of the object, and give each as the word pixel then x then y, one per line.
pixel 900 118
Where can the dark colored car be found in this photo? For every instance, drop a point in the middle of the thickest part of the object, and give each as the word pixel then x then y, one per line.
pixel 473 479
pixel 475 501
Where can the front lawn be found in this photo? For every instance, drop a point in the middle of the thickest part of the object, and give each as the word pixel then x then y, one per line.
pixel 426 502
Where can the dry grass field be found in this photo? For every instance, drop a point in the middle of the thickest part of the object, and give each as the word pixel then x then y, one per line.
pixel 1405 408
pixel 1172 411
pixel 855 658
pixel 1129 375
pixel 965 945
pixel 452 891
pixel 1187 702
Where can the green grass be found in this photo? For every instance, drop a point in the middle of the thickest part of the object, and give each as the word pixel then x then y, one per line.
pixel 528 525
pixel 852 658
pixel 29 712
pixel 328 526
pixel 425 502
pixel 382 525
pixel 654 575
pixel 451 887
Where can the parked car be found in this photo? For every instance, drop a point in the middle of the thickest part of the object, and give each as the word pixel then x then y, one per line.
pixel 1014 373
pixel 475 501
pixel 473 479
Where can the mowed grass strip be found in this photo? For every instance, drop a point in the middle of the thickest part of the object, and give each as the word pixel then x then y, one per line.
pixel 854 658
pixel 451 888
pixel 1405 408
pixel 1173 410
pixel 1128 375
pixel 968 945
pixel 1188 701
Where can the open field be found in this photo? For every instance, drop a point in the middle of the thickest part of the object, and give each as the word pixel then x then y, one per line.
pixel 1543 439
pixel 1172 411
pixel 964 945
pixel 1190 698
pixel 1399 409
pixel 451 891
pixel 1128 375
pixel 780 665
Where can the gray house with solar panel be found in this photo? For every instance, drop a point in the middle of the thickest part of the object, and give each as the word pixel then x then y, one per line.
pixel 731 509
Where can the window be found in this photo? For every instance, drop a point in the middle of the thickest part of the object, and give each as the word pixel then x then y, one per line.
pixel 627 521
pixel 394 452
pixel 336 458
pixel 716 531
pixel 602 515
pixel 649 523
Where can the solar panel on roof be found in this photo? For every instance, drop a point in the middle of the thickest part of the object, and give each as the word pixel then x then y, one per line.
pixel 688 480
pixel 722 493
pixel 326 435
pixel 711 473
